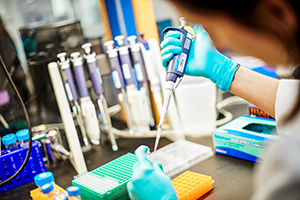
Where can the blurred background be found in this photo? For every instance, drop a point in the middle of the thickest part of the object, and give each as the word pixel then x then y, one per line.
pixel 33 32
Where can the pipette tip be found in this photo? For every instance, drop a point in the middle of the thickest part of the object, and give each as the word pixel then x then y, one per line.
pixel 114 147
pixel 157 139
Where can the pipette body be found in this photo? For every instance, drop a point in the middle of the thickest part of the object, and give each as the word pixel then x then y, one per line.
pixel 90 58
pixel 118 80
pixel 71 92
pixel 88 108
pixel 175 72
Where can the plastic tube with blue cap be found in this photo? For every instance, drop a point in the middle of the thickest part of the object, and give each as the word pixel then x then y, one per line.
pixel 23 137
pixel 10 142
pixel 43 179
pixel 74 193
pixel 49 191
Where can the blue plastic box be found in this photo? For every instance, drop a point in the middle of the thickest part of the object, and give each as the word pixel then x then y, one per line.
pixel 247 137
pixel 11 162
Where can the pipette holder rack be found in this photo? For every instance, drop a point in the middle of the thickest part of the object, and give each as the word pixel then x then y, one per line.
pixel 12 161
pixel 118 173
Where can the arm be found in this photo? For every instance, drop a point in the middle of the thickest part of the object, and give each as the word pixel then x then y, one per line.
pixel 256 88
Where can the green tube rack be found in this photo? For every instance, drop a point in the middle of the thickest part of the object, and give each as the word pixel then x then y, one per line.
pixel 107 182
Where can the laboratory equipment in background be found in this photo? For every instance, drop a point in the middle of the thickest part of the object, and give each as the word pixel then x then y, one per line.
pixel 247 137
pixel 87 106
pixel 138 65
pixel 53 147
pixel 70 89
pixel 152 72
pixel 41 43
pixel 175 72
pixel 198 116
pixel 76 156
pixel 46 187
pixel 12 157
pixel 95 75
pixel 118 80
pixel 138 100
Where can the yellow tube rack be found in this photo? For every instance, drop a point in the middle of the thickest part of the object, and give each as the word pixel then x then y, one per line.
pixel 190 185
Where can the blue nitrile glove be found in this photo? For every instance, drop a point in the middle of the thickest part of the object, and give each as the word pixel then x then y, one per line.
pixel 204 60
pixel 148 181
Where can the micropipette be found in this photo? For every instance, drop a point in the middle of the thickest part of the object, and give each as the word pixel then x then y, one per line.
pixel 175 72
pixel 118 80
pixel 138 64
pixel 90 58
pixel 87 106
pixel 70 89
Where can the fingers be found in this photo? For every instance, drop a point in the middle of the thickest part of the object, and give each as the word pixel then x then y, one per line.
pixel 174 34
pixel 157 168
pixel 171 49
pixel 140 153
pixel 170 41
pixel 165 59
pixel 131 190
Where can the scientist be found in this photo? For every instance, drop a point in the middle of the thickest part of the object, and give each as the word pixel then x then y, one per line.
pixel 266 29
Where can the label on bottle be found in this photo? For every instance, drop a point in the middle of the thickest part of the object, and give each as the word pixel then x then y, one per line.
pixel 116 80
pixel 126 71
pixel 139 72
pixel 182 62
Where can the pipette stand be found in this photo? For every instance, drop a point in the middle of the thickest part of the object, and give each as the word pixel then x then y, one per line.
pixel 76 157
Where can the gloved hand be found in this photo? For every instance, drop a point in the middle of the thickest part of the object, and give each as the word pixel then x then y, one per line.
pixel 148 181
pixel 204 60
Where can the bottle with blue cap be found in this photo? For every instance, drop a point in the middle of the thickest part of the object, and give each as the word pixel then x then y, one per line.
pixel 43 179
pixel 74 193
pixel 23 137
pixel 61 196
pixel 10 142
pixel 49 191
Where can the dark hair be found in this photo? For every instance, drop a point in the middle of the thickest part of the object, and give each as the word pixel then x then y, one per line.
pixel 243 12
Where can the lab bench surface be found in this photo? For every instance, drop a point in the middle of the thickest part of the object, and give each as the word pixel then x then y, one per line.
pixel 232 176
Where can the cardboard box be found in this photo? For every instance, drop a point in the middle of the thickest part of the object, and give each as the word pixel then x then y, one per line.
pixel 247 137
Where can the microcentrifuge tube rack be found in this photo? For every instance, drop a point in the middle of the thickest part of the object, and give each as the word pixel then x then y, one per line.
pixel 191 186
pixel 107 182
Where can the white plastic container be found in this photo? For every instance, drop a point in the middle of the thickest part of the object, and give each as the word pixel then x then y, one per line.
pixel 196 102
pixel 180 155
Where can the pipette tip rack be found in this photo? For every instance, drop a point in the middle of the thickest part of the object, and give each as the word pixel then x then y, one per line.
pixel 107 182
